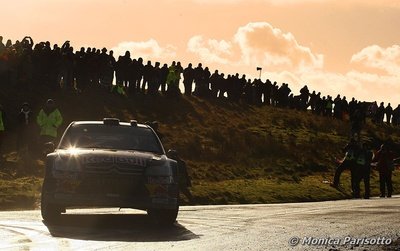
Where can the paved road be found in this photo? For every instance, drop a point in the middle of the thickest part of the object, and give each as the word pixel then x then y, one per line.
pixel 238 227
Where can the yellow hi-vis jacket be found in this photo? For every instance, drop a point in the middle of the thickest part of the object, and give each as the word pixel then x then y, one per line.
pixel 172 75
pixel 1 122
pixel 49 123
pixel 119 90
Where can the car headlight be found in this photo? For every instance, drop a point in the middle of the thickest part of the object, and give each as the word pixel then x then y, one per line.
pixel 66 163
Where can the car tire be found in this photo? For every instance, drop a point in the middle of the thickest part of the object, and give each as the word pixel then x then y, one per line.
pixel 163 217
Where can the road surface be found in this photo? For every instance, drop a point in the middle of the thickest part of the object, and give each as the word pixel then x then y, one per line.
pixel 232 227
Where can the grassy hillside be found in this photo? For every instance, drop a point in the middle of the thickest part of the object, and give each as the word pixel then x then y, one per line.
pixel 236 153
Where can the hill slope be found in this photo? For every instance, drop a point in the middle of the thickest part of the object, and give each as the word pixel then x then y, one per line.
pixel 236 153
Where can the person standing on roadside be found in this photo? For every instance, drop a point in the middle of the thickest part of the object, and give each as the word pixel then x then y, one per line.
pixel 183 176
pixel 49 120
pixel 384 162
pixel 347 163
pixel 362 171
pixel 25 122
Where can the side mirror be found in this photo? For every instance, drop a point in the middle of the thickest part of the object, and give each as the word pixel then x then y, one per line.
pixel 173 154
pixel 49 147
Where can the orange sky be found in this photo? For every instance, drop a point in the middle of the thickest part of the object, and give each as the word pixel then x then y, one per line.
pixel 349 47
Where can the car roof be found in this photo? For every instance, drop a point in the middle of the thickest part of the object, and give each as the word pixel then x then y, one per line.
pixel 102 123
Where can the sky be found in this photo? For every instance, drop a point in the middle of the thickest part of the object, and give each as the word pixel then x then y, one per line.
pixel 350 47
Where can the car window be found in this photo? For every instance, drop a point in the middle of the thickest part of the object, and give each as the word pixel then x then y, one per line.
pixel 111 137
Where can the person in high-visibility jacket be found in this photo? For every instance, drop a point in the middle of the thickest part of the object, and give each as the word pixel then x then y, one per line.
pixel 171 77
pixel 173 80
pixel 119 89
pixel 49 119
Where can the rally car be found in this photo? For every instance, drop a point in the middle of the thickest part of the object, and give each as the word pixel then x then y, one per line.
pixel 110 164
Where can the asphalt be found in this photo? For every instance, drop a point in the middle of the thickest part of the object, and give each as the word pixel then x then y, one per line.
pixel 332 225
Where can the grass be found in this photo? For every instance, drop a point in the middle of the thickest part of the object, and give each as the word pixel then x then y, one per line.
pixel 275 190
pixel 20 193
pixel 235 153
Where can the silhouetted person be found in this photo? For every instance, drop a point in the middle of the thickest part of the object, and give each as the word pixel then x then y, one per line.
pixel 205 82
pixel 25 127
pixel 304 96
pixel 66 66
pixel 106 64
pixel 163 78
pixel 198 75
pixel 123 64
pixel 147 75
pixel 389 113
pixel 2 46
pixel 380 113
pixel 314 99
pixel 188 78
pixel 139 73
pixel 396 116
pixel 215 82
pixel 347 163
pixel 178 72
pixel 384 158
pixel 81 69
pixel 337 109
pixel 362 171
pixel 155 81
pixel 328 106
pixel 183 176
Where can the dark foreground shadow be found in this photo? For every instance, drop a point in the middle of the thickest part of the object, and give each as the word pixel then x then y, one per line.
pixel 117 227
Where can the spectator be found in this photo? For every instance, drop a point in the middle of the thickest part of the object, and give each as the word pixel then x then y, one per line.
pixel 25 128
pixel 384 159
pixel 389 113
pixel 183 176
pixel 49 120
pixel 188 78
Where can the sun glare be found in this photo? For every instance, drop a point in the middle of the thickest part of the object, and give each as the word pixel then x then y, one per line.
pixel 73 150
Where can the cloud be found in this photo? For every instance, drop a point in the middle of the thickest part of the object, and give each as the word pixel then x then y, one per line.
pixel 148 50
pixel 261 43
pixel 211 50
pixel 374 56
pixel 257 44
pixel 286 61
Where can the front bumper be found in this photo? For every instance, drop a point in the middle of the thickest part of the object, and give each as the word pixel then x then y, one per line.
pixel 101 192
pixel 110 200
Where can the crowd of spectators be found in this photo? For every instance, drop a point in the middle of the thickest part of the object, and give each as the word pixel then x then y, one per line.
pixel 60 67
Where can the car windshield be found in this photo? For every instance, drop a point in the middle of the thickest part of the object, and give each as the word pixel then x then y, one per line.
pixel 111 137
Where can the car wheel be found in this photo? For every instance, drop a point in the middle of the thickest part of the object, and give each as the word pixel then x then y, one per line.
pixel 163 217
